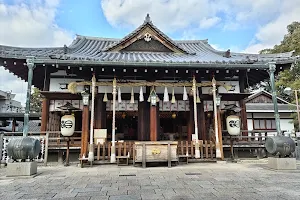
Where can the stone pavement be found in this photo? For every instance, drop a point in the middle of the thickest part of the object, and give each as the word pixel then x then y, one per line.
pixel 193 181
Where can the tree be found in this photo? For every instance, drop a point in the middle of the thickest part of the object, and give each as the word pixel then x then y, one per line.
pixel 290 42
pixel 289 77
pixel 36 100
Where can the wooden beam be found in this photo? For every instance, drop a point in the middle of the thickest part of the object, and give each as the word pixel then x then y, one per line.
pixel 85 132
pixel 244 124
pixel 141 121
pixel 220 133
pixel 13 125
pixel 190 122
pixel 100 112
pixel 201 121
pixel 46 102
pixel 45 114
pixel 153 123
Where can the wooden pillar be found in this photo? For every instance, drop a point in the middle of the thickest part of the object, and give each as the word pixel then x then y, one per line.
pixel 157 122
pixel 144 118
pixel 244 125
pixel 141 121
pixel 201 121
pixel 45 114
pixel 190 122
pixel 13 125
pixel 100 112
pixel 45 103
pixel 220 133
pixel 85 131
pixel 153 123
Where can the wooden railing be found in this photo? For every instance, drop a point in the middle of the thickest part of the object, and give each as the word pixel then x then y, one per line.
pixel 54 140
pixel 124 148
pixel 254 138
pixel 5 137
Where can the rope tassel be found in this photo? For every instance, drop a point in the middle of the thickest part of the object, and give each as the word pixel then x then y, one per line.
pixel 185 96
pixel 166 95
pixel 173 97
pixel 198 97
pixel 141 94
pixel 105 99
pixel 132 96
pixel 119 95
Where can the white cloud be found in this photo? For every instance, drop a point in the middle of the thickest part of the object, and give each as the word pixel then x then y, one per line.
pixel 9 82
pixel 269 17
pixel 168 15
pixel 209 22
pixel 32 25
pixel 29 24
pixel 173 15
pixel 273 32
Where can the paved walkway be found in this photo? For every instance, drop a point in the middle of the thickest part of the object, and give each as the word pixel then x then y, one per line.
pixel 192 181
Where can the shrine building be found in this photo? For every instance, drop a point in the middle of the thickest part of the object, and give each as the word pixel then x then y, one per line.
pixel 162 89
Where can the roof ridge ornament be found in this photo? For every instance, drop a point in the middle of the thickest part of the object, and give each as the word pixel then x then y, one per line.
pixel 147 19
pixel 227 54
pixel 65 49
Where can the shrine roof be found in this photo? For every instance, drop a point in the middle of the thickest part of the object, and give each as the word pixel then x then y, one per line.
pixel 146 44
pixel 268 107
pixel 92 49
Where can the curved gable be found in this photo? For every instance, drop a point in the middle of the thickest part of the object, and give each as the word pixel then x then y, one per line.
pixel 146 37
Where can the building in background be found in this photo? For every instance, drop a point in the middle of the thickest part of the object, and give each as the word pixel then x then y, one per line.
pixel 12 114
pixel 145 63
pixel 8 104
pixel 260 113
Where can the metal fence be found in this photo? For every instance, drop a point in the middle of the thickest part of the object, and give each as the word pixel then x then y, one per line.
pixel 6 137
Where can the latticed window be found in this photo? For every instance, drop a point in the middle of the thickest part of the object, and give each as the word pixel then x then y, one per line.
pixel 264 124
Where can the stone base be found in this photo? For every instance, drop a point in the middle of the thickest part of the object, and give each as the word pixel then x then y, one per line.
pixel 282 163
pixel 21 168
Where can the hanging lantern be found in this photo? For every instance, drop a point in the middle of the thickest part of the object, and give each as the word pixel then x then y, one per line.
pixel 185 96
pixel 166 95
pixel 198 97
pixel 153 97
pixel 67 125
pixel 105 99
pixel 132 96
pixel 173 97
pixel 191 93
pixel 208 114
pixel 174 115
pixel 141 94
pixel 233 125
pixel 119 95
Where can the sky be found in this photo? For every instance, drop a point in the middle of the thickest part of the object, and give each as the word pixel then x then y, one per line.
pixel 238 25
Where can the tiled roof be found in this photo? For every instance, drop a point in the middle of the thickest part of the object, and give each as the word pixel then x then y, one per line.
pixel 269 107
pixel 96 50
pixel 263 92
pixel 92 49
pixel 149 23
pixel 33 126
